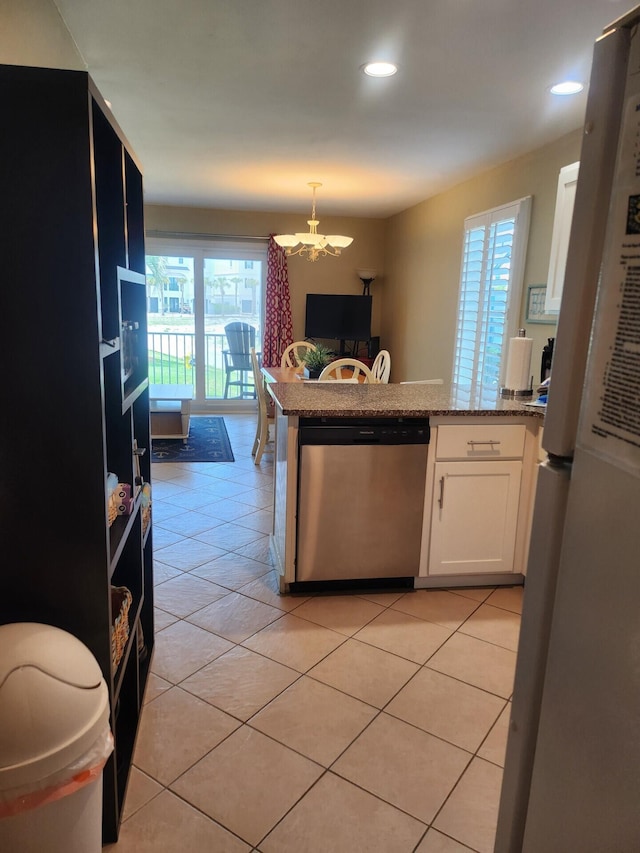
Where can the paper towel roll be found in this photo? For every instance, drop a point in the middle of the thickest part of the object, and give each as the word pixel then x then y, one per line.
pixel 518 376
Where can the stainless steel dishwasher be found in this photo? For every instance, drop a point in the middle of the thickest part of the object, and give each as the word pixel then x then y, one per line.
pixel 360 498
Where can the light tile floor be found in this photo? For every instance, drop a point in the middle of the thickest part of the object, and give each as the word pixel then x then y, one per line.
pixel 323 724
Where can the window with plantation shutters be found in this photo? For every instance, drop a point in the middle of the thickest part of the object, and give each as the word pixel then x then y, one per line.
pixel 495 244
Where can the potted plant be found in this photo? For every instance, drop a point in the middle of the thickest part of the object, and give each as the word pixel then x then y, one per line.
pixel 316 360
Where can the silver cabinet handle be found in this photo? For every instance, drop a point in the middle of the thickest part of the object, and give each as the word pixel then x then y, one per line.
pixel 441 498
pixel 488 441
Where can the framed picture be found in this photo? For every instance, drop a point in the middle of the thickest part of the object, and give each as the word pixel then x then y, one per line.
pixel 536 294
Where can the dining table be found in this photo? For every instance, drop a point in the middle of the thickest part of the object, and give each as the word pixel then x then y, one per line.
pixel 281 374
pixel 290 374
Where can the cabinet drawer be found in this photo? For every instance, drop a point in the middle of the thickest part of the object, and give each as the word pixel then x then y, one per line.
pixel 493 441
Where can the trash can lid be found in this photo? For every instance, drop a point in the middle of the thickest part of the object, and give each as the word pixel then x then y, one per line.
pixel 54 702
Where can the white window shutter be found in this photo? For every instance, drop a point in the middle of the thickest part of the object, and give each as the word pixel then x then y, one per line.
pixel 492 271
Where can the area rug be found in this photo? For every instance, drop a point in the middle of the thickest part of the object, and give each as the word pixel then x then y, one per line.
pixel 208 442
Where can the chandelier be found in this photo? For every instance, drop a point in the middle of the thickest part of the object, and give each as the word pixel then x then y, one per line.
pixel 310 244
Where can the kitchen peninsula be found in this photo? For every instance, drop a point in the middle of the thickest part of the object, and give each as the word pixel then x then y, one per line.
pixel 470 479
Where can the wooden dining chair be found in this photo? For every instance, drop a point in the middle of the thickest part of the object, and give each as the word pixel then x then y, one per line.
pixel 291 357
pixel 264 419
pixel 346 370
pixel 381 367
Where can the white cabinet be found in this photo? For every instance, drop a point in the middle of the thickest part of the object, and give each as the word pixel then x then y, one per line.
pixel 476 494
pixel 565 199
pixel 475 517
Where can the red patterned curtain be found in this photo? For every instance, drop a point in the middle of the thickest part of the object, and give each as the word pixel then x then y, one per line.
pixel 278 329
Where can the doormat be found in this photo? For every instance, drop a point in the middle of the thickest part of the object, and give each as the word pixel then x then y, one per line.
pixel 208 442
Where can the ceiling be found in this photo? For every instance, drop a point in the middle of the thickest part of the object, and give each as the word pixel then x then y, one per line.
pixel 238 104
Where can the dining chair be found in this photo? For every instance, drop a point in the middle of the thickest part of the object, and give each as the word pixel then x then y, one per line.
pixel 264 419
pixel 346 370
pixel 381 367
pixel 422 382
pixel 240 338
pixel 291 356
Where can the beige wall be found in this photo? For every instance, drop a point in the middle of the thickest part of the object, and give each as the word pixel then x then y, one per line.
pixel 423 253
pixel 33 33
pixel 326 275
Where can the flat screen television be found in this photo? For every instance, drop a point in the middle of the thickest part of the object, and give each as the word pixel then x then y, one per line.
pixel 338 317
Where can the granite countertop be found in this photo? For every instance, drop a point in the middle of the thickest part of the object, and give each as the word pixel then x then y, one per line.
pixel 318 399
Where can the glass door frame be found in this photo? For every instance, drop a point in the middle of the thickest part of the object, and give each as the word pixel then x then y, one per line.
pixel 201 250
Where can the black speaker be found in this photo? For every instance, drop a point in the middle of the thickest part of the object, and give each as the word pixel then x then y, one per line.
pixel 374 347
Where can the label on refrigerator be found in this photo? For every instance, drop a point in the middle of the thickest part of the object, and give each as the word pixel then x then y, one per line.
pixel 610 421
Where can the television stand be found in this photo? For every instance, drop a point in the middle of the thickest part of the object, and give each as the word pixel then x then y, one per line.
pixel 351 352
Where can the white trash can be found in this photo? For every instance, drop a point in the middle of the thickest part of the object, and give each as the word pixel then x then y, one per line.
pixel 54 741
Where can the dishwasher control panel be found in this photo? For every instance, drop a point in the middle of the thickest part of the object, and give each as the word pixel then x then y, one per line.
pixel 364 431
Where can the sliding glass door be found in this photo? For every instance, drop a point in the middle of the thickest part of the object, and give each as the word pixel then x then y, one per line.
pixel 170 319
pixel 194 293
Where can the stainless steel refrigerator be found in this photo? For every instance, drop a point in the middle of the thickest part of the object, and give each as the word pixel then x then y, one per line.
pixel 572 771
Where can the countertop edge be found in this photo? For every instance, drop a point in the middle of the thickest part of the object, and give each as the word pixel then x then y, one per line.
pixel 401 401
pixel 412 413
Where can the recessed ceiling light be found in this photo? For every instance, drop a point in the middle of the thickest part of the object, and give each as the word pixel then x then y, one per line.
pixel 380 69
pixel 569 87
